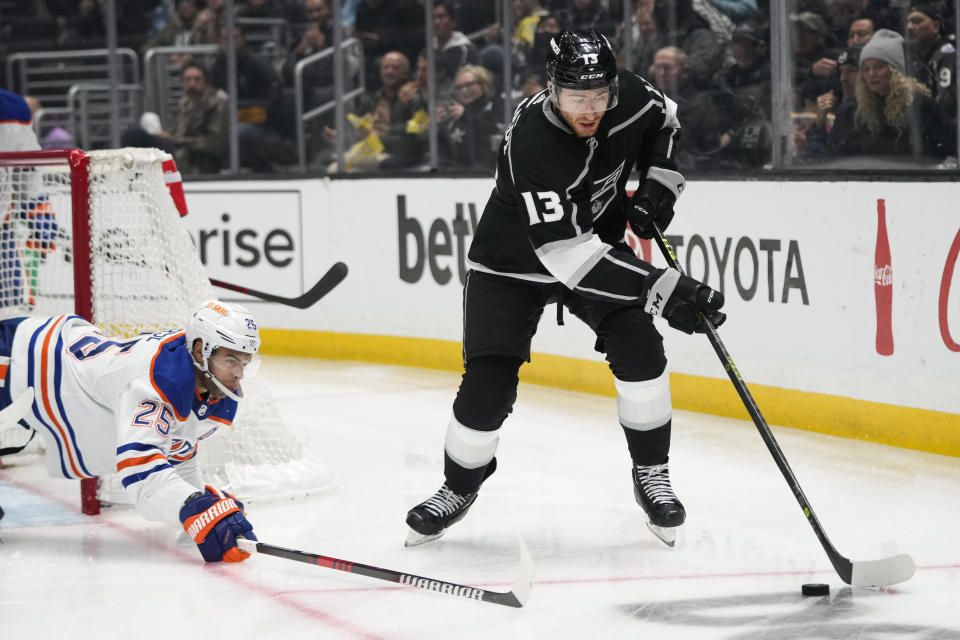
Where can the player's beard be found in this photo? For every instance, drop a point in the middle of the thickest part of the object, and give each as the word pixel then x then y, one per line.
pixel 576 121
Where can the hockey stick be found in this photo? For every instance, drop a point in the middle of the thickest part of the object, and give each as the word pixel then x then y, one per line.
pixel 516 597
pixel 865 573
pixel 325 285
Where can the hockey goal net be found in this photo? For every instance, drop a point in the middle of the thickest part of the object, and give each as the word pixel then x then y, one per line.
pixel 97 234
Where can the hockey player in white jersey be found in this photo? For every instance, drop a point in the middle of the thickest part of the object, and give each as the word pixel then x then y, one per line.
pixel 138 407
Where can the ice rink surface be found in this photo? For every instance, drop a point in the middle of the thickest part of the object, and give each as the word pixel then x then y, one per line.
pixel 563 484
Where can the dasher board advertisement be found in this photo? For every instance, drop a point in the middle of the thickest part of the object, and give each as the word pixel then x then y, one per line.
pixel 813 303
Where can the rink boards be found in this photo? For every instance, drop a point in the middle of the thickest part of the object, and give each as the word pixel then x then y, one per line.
pixel 829 333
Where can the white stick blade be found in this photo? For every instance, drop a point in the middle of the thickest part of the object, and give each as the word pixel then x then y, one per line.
pixel 17 409
pixel 524 584
pixel 883 572
pixel 250 546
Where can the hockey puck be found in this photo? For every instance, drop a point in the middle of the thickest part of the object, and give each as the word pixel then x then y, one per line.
pixel 815 589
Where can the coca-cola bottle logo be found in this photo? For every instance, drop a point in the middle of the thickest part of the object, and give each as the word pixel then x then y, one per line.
pixel 883 276
pixel 883 283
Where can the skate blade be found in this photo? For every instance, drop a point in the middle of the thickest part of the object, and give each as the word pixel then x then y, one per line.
pixel 667 534
pixel 415 539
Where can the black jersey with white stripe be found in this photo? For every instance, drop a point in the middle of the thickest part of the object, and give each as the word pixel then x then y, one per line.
pixel 557 211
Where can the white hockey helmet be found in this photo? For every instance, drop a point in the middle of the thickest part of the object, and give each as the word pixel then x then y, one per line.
pixel 222 324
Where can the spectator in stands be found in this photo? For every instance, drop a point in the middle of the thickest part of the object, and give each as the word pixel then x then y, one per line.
pixel 382 123
pixel 57 138
pixel 179 29
pixel 416 90
pixel 310 15
pixel 453 47
pixel 200 128
pixel 198 136
pixel 261 111
pixel 812 140
pixel 531 83
pixel 86 30
pixel 547 27
pixel 209 21
pixel 848 60
pixel 526 15
pixel 718 22
pixel 678 24
pixel 50 139
pixel 312 37
pixel 742 98
pixel 258 84
pixel 931 57
pixel 388 25
pixel 894 113
pixel 695 110
pixel 645 42
pixel 469 133
pixel 815 65
pixel 839 15
pixel 748 79
pixel 738 10
pixel 861 30
pixel 586 14
pixel 887 14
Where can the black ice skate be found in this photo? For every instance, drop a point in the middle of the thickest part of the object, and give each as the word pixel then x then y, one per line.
pixel 651 488
pixel 430 519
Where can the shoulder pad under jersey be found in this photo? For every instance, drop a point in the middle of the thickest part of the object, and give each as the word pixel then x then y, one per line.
pixel 171 374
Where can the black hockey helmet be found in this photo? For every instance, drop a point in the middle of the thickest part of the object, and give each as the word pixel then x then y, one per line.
pixel 582 61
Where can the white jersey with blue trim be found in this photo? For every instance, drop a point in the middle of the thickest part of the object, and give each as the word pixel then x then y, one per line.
pixel 116 405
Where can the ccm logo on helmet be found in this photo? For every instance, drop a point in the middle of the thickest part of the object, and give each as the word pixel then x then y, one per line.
pixel 591 76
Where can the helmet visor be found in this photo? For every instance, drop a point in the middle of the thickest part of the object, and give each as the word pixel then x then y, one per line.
pixel 586 100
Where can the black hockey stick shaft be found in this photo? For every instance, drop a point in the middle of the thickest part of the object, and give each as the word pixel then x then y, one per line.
pixel 509 598
pixel 843 565
pixel 325 285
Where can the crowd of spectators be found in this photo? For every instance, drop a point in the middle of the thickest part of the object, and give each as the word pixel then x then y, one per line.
pixel 870 78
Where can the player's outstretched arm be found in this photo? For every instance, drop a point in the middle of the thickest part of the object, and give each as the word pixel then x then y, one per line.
pixel 214 519
pixel 681 300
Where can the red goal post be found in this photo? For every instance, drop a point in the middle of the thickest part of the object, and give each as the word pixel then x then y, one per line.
pixel 97 234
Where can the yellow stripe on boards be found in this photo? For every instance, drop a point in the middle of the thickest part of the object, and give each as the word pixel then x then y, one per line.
pixel 907 427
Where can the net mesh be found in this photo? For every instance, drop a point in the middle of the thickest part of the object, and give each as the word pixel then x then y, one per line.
pixel 146 275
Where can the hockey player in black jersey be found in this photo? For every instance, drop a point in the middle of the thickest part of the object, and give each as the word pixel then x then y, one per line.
pixel 553 230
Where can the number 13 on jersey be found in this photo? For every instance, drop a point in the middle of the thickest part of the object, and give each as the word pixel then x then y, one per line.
pixel 544 206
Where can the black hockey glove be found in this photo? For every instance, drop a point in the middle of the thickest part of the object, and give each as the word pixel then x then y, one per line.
pixel 653 201
pixel 681 300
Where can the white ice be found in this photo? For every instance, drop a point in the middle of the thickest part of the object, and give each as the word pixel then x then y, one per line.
pixel 563 485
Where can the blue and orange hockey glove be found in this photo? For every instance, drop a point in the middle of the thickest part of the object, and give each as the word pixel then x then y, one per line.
pixel 214 520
